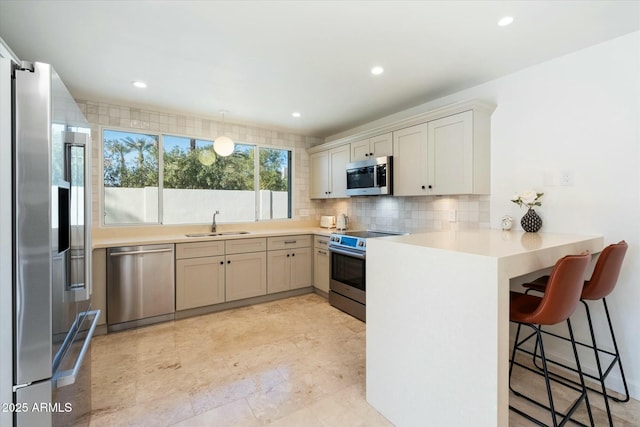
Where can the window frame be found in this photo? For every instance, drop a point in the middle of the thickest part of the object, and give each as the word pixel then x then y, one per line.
pixel 160 135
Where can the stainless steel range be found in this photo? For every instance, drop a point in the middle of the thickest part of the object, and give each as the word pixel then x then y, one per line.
pixel 348 270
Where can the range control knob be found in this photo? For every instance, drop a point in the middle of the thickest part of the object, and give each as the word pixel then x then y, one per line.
pixel 361 243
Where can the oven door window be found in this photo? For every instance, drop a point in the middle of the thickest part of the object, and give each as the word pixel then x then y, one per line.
pixel 348 270
pixel 361 177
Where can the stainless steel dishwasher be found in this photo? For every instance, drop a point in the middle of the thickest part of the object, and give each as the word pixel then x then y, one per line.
pixel 140 285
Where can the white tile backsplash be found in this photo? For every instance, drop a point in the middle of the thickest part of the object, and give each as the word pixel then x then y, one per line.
pixel 409 214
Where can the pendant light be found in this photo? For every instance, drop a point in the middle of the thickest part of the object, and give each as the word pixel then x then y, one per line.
pixel 223 145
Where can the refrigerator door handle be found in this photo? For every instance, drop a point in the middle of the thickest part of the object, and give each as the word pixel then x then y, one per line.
pixel 68 377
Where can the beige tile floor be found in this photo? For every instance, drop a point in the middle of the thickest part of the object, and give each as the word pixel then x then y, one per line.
pixel 293 362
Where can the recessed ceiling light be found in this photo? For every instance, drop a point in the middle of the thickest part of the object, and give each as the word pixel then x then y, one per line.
pixel 505 21
pixel 296 114
pixel 139 84
pixel 377 70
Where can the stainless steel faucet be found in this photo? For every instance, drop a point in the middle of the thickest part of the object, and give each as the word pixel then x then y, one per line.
pixel 214 226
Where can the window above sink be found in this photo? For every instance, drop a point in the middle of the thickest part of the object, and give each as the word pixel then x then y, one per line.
pixel 153 178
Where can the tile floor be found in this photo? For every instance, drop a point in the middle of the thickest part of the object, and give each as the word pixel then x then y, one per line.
pixel 293 362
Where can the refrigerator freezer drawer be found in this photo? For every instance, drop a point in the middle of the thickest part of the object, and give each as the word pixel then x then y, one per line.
pixel 140 283
pixel 32 401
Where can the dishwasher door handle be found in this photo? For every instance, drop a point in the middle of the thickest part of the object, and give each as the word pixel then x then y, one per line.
pixel 151 251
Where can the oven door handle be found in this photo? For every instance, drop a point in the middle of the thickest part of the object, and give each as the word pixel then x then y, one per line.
pixel 355 254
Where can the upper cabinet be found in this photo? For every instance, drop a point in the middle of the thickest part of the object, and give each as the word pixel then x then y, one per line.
pixel 378 146
pixel 445 156
pixel 444 151
pixel 410 161
pixel 328 177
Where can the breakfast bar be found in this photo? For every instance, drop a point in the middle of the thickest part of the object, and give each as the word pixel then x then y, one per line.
pixel 438 320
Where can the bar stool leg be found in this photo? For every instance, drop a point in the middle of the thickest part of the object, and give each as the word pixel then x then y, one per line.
pixel 582 383
pixel 601 378
pixel 617 356
pixel 539 346
pixel 551 408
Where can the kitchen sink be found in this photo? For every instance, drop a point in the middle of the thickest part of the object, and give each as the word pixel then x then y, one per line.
pixel 224 233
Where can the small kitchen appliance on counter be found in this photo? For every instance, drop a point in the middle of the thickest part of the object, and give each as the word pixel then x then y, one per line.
pixel 342 222
pixel 327 221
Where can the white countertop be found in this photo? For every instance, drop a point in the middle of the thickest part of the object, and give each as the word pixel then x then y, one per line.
pixel 438 320
pixel 491 243
pixel 109 238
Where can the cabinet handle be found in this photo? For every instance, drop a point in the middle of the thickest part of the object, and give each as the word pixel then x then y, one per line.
pixel 371 154
pixel 366 154
pixel 322 252
pixel 287 242
pixel 423 187
pixel 229 262
pixel 288 255
pixel 221 262
pixel 430 186
pixel 293 254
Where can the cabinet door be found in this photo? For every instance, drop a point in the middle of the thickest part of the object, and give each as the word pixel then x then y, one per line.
pixel 338 159
pixel 199 282
pixel 382 145
pixel 246 275
pixel 278 268
pixel 319 175
pixel 300 268
pixel 321 269
pixel 451 151
pixel 360 150
pixel 410 161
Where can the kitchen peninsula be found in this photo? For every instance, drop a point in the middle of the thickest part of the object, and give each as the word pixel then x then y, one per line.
pixel 438 321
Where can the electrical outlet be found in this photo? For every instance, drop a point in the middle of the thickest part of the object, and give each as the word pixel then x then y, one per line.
pixel 452 215
pixel 566 178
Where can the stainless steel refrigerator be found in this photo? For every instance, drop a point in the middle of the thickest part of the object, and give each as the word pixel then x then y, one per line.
pixel 51 253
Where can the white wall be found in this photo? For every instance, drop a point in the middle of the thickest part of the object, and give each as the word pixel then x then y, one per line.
pixel 578 113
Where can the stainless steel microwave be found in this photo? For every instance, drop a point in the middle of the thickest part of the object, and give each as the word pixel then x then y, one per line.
pixel 370 177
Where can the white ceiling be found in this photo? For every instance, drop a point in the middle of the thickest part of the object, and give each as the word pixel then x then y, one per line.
pixel 262 60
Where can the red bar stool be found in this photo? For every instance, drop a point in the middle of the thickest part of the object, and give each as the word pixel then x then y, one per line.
pixel 558 303
pixel 602 282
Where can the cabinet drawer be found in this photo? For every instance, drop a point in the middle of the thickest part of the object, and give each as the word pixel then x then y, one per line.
pixel 289 242
pixel 242 246
pixel 199 249
pixel 321 242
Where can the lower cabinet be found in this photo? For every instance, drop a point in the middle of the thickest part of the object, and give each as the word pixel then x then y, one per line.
pixel 289 269
pixel 289 263
pixel 214 272
pixel 200 274
pixel 199 282
pixel 321 263
pixel 246 275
